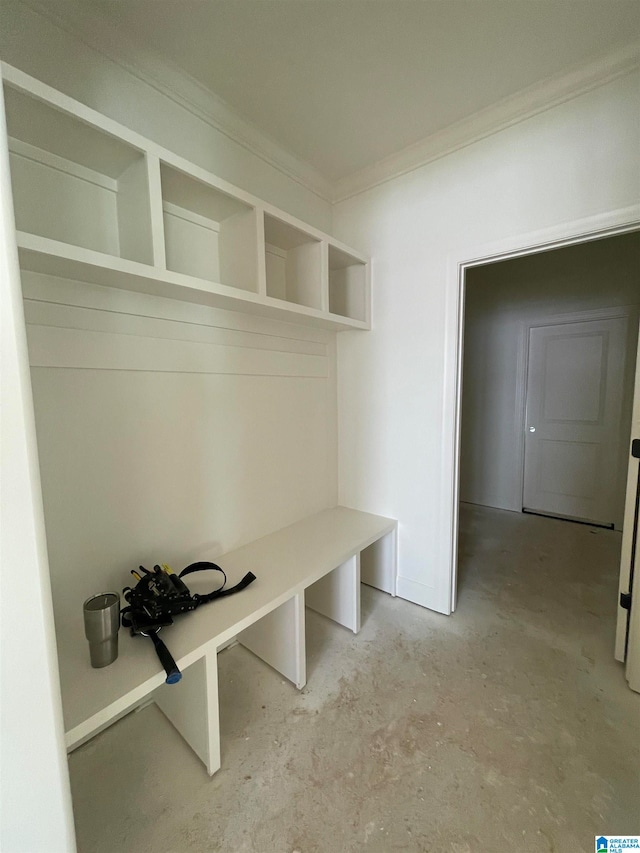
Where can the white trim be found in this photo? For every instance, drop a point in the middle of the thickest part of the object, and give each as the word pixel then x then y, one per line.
pixel 567 234
pixel 85 23
pixel 494 118
pixel 627 622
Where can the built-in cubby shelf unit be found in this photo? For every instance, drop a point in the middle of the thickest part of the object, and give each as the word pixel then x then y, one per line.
pixel 348 285
pixel 99 203
pixel 76 184
pixel 294 264
pixel 208 234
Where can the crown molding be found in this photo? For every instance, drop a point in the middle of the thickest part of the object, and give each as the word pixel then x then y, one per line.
pixel 88 25
pixel 499 116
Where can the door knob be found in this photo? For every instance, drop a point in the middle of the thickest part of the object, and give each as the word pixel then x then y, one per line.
pixel 532 429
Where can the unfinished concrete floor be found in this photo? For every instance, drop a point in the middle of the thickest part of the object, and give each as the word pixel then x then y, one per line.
pixel 508 726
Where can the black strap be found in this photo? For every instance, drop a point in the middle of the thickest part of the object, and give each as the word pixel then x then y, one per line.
pixel 125 616
pixel 217 593
pixel 166 659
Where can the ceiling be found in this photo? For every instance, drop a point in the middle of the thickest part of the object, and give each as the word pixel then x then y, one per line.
pixel 342 84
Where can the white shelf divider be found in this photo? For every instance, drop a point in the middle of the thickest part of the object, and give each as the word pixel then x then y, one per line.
pixel 155 210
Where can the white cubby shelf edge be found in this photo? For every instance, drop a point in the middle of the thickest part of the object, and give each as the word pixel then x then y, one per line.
pixel 96 202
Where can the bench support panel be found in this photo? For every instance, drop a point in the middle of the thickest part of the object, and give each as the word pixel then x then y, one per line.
pixel 378 564
pixel 191 706
pixel 337 595
pixel 279 640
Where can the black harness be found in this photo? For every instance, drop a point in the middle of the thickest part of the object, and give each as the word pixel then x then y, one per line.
pixel 160 595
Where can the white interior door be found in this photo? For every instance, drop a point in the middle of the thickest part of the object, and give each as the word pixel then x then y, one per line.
pixel 575 381
pixel 628 628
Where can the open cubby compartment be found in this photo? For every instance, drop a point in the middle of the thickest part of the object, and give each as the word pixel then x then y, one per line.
pixel 208 233
pixel 76 183
pixel 293 263
pixel 347 285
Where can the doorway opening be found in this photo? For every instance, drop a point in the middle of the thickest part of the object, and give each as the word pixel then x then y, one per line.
pixel 547 366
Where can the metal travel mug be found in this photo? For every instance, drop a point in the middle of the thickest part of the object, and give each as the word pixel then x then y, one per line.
pixel 101 624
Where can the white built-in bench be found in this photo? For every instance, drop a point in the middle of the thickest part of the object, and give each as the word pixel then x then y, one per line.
pixel 318 562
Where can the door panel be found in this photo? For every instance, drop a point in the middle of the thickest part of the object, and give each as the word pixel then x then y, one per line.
pixel 574 393
pixel 628 627
pixel 574 408
pixel 568 468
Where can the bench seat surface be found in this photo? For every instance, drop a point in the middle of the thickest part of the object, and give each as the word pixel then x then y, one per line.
pixel 284 562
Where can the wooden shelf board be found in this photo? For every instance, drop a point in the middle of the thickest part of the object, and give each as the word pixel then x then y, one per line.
pixel 42 255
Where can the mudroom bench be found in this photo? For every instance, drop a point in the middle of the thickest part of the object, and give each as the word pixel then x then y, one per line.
pixel 318 562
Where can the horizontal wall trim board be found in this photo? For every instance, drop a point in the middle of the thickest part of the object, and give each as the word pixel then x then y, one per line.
pixel 88 319
pixel 54 290
pixel 50 346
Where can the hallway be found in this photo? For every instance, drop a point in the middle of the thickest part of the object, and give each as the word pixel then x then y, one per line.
pixel 508 726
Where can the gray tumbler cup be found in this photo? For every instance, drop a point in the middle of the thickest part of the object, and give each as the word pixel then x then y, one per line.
pixel 101 624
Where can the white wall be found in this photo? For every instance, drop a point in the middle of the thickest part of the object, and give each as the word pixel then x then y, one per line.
pixel 170 432
pixel 501 299
pixel 35 797
pixel 34 44
pixel 574 161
